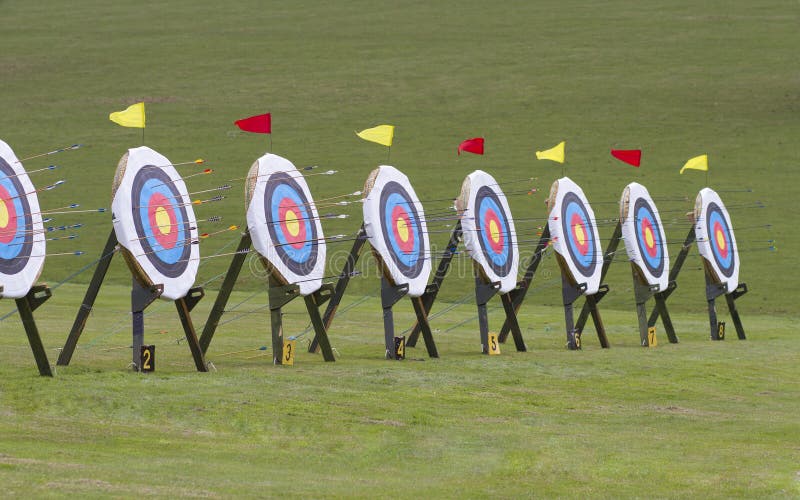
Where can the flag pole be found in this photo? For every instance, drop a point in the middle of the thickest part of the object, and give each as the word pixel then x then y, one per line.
pixel 142 136
pixel 388 154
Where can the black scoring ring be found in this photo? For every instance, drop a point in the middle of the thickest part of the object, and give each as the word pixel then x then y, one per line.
pixel 15 263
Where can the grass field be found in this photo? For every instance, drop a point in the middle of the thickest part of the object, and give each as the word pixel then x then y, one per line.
pixel 676 79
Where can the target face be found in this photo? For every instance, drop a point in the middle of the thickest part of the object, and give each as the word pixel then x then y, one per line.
pixel 395 225
pixel 574 234
pixel 489 233
pixel 643 234
pixel 22 244
pixel 715 238
pixel 154 221
pixel 284 224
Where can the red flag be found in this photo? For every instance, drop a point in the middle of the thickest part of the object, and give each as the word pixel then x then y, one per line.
pixel 629 156
pixel 474 145
pixel 260 124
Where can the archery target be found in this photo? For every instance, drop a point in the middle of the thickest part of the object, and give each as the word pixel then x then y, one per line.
pixel 396 229
pixel 22 241
pixel 284 224
pixel 154 222
pixel 488 229
pixel 574 235
pixel 644 236
pixel 715 239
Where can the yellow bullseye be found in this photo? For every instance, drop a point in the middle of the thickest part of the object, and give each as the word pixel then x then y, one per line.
pixel 162 220
pixel 494 231
pixel 3 214
pixel 720 240
pixel 649 240
pixel 402 229
pixel 292 223
pixel 580 235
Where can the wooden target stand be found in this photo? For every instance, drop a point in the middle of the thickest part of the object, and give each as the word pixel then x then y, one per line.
pixel 713 290
pixel 36 296
pixel 571 291
pixel 141 297
pixel 642 293
pixel 390 295
pixel 279 295
pixel 484 291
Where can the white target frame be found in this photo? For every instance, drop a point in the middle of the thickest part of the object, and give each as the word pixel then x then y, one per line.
pixel 386 182
pixel 710 210
pixel 140 250
pixel 566 188
pixel 635 198
pixel 480 182
pixel 265 175
pixel 17 277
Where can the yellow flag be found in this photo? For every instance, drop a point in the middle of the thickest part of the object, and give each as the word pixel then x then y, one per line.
pixel 382 134
pixel 133 116
pixel 556 153
pixel 697 163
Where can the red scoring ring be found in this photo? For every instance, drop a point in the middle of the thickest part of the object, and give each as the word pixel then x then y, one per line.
pixel 400 214
pixel 651 248
pixel 496 246
pixel 167 240
pixel 574 224
pixel 285 206
pixel 9 231
pixel 719 231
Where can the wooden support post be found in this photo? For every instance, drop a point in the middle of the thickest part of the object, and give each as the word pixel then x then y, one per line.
pixel 569 294
pixel 184 305
pixel 424 327
pixel 88 300
pixel 225 291
pixel 511 321
pixel 432 290
pixel 279 296
pixel 518 295
pixel 390 294
pixel 35 297
pixel 141 297
pixel 731 299
pixel 673 276
pixel 483 293
pixel 313 302
pixel 608 258
pixel 341 285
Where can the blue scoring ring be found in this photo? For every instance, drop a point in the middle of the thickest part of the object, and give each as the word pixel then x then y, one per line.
pixel 643 212
pixel 500 262
pixel 14 254
pixel 394 198
pixel 299 256
pixel 149 181
pixel 585 262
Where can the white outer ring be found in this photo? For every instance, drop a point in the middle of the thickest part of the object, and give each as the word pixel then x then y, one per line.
pixel 470 187
pixel 372 225
pixel 636 191
pixel 122 206
pixel 258 226
pixel 19 284
pixel 704 198
pixel 565 185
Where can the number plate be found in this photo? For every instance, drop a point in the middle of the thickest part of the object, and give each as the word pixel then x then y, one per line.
pixel 400 348
pixel 652 341
pixel 494 345
pixel 288 352
pixel 147 359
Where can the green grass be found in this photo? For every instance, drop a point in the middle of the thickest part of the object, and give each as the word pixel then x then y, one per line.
pixel 676 79
pixel 688 420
